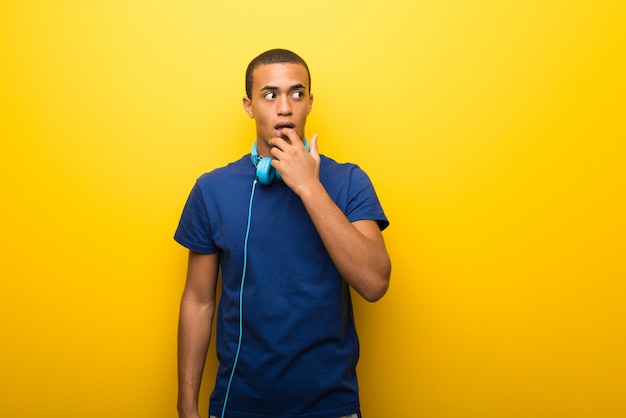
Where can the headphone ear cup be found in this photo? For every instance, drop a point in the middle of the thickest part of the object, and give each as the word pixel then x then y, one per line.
pixel 265 172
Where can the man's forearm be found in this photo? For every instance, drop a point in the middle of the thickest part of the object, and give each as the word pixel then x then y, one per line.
pixel 362 260
pixel 194 335
pixel 357 249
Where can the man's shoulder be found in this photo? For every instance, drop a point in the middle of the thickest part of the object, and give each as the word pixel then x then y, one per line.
pixel 239 166
pixel 332 170
pixel 330 163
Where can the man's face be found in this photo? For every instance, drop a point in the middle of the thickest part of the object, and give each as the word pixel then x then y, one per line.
pixel 280 99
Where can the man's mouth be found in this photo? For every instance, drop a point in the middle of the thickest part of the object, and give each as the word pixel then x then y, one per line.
pixel 284 125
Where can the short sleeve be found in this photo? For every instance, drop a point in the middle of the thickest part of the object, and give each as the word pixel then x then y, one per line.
pixel 363 203
pixel 194 227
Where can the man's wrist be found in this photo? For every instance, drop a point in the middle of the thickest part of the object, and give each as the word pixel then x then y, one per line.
pixel 187 409
pixel 311 191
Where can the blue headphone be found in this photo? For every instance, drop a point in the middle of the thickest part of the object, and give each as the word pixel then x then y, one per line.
pixel 264 170
pixel 265 173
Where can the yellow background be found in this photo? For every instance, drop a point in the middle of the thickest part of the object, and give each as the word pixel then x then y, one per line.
pixel 494 132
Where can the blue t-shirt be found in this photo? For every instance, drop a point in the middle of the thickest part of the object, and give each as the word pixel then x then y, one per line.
pixel 299 345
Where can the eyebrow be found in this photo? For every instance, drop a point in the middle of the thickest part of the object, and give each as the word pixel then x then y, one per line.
pixel 274 88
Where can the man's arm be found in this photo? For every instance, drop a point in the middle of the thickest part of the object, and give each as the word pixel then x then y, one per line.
pixel 357 248
pixel 194 329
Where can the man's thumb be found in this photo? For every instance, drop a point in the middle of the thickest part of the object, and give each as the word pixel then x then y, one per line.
pixel 314 150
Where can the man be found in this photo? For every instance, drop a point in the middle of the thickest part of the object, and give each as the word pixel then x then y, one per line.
pixel 288 250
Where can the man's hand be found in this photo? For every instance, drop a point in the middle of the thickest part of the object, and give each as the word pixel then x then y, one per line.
pixel 298 168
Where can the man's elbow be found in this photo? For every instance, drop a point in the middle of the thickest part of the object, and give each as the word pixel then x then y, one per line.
pixel 379 287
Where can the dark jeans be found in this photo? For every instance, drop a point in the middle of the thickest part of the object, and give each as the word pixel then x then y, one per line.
pixel 357 415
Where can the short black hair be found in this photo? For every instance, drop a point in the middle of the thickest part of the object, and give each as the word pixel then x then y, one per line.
pixel 273 56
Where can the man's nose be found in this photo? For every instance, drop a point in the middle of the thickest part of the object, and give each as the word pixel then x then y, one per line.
pixel 283 106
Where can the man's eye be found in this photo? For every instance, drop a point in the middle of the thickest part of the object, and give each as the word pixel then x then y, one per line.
pixel 298 95
pixel 270 95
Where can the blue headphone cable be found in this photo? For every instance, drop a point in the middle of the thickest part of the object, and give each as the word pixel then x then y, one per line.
pixel 243 278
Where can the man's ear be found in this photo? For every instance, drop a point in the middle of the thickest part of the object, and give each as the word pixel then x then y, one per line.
pixel 310 104
pixel 247 106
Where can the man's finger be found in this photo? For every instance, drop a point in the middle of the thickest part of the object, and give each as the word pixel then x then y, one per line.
pixel 313 146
